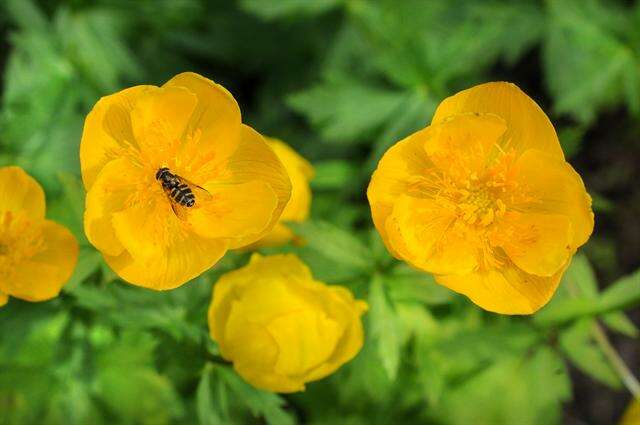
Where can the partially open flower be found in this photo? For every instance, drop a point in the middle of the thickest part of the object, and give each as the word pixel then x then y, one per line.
pixel 484 199
pixel 280 327
pixel 174 179
pixel 297 210
pixel 37 256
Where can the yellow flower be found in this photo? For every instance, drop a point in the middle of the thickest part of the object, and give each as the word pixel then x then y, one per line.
pixel 632 414
pixel 280 327
pixel 297 210
pixel 193 127
pixel 484 199
pixel 37 256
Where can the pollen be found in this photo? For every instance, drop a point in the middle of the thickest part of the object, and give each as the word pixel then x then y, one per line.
pixel 20 239
pixel 484 200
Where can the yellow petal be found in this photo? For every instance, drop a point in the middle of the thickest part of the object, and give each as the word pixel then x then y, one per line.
pixel 216 118
pixel 235 211
pixel 42 276
pixel 539 244
pixel 4 299
pixel 159 121
pixel 19 192
pixel 528 127
pixel 352 337
pixel 254 160
pixel 462 144
pixel 261 353
pixel 508 290
pixel 632 414
pixel 279 235
pixel 306 339
pixel 160 252
pixel 404 163
pixel 172 267
pixel 554 187
pixel 269 380
pixel 300 172
pixel 271 296
pixel 281 328
pixel 108 132
pixel 297 210
pixel 117 182
pixel 423 232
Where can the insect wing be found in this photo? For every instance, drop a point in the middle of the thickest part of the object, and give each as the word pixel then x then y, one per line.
pixel 180 211
pixel 201 194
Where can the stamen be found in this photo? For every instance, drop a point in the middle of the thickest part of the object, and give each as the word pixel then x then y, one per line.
pixel 20 240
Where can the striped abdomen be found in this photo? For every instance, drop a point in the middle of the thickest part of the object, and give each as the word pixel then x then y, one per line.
pixel 176 189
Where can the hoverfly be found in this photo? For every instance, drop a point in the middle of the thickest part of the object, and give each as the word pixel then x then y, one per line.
pixel 182 193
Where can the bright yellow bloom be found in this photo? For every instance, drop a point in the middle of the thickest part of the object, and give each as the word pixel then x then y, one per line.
pixel 193 127
pixel 37 256
pixel 484 199
pixel 297 210
pixel 280 327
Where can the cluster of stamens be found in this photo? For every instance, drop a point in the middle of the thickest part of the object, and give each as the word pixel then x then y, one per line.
pixel 20 239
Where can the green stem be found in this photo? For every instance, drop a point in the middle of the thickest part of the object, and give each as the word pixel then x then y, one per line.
pixel 600 337
pixel 609 351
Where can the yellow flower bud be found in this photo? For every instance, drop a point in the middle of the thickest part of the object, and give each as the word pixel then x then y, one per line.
pixel 280 327
pixel 300 172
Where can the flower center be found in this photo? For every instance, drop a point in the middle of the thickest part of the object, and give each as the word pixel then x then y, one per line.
pixel 20 240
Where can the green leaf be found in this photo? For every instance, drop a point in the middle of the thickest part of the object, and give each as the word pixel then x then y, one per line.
pixel 120 388
pixel 89 261
pixel 384 328
pixel 580 275
pixel 137 308
pixel 408 284
pixel 602 204
pixel 124 372
pixel 580 34
pixel 571 139
pixel 577 344
pixel 208 414
pixel 346 110
pixel 334 175
pixel 527 390
pixel 334 243
pixel 414 114
pixel 26 14
pixel 93 41
pixel 622 294
pixel 563 310
pixel 461 350
pixel 261 403
pixel 68 209
pixel 273 9
pixel 416 45
pixel 617 321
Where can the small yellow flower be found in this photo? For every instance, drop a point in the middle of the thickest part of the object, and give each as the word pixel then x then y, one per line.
pixel 297 210
pixel 37 256
pixel 192 127
pixel 280 327
pixel 484 199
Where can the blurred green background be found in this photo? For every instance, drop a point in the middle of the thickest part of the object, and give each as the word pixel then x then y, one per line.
pixel 339 80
